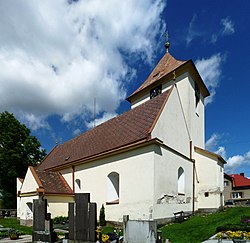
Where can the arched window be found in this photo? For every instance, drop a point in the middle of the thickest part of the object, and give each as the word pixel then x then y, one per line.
pixel 181 181
pixel 77 185
pixel 113 188
pixel 30 206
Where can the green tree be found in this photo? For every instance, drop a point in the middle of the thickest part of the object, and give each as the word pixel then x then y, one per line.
pixel 102 220
pixel 18 150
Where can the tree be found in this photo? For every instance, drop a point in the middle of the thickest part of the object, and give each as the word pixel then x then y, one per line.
pixel 18 150
pixel 102 220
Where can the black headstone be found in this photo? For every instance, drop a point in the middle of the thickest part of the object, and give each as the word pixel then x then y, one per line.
pixel 71 221
pixel 39 214
pixel 82 216
pixel 92 222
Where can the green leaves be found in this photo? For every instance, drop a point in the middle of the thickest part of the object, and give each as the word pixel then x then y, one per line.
pixel 18 150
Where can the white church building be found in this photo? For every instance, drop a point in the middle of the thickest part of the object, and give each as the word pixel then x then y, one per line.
pixel 148 162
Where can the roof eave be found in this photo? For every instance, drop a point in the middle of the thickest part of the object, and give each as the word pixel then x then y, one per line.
pixel 137 144
pixel 206 152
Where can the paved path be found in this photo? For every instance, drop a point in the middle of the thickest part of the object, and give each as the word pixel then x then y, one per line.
pixel 22 238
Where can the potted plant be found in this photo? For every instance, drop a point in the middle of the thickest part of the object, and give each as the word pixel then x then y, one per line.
pixel 13 234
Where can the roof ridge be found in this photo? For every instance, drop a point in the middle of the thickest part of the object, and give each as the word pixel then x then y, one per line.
pixel 165 65
pixel 161 109
pixel 127 128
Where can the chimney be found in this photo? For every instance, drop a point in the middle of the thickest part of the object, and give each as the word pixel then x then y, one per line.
pixel 242 174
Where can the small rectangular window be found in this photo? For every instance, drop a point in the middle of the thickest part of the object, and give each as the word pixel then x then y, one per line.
pixel 197 94
pixel 206 194
pixel 226 183
pixel 237 194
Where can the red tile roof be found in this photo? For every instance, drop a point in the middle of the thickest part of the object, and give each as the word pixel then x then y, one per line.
pixel 53 182
pixel 165 66
pixel 132 126
pixel 239 180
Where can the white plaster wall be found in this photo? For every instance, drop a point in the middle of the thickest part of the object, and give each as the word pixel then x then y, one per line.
pixel 210 174
pixel 67 174
pixel 18 188
pixel 194 116
pixel 166 184
pixel 29 184
pixel 135 170
pixel 58 205
pixel 170 127
pixel 25 212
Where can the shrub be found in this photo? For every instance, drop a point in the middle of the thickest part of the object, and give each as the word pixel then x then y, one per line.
pixel 102 220
pixel 60 220
pixel 233 227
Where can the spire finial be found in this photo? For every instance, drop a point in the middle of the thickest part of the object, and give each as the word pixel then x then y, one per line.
pixel 167 44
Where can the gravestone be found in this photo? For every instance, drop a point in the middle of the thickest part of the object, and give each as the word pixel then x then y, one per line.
pixel 92 222
pixel 139 231
pixel 82 219
pixel 42 223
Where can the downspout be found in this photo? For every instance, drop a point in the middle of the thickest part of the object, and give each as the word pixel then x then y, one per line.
pixel 73 178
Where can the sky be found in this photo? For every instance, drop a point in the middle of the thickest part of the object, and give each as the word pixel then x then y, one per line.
pixel 58 58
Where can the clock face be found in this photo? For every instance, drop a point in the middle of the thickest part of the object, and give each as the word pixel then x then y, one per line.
pixel 155 91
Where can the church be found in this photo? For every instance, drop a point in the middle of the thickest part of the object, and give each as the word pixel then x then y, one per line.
pixel 148 162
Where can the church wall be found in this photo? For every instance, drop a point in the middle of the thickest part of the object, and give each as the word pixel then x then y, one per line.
pixel 135 169
pixel 210 175
pixel 29 183
pixel 26 211
pixel 67 174
pixel 58 205
pixel 170 127
pixel 167 198
pixel 18 188
pixel 194 114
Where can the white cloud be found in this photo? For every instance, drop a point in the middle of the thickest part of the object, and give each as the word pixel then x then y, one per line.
pixel 77 132
pixel 234 162
pixel 56 57
pixel 226 29
pixel 212 142
pixel 210 71
pixel 228 26
pixel 222 152
pixel 212 145
pixel 192 33
pixel 106 116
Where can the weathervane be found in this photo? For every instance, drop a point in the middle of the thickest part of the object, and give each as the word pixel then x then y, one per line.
pixel 167 44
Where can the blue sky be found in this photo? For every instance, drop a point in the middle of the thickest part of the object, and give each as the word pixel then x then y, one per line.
pixel 58 56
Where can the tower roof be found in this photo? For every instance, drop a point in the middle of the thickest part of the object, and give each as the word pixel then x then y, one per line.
pixel 167 65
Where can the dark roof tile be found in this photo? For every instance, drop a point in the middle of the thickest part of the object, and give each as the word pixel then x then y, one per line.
pixel 165 66
pixel 131 126
pixel 53 182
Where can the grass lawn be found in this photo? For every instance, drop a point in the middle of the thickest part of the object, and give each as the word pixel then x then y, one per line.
pixel 201 227
pixel 15 224
pixel 197 229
